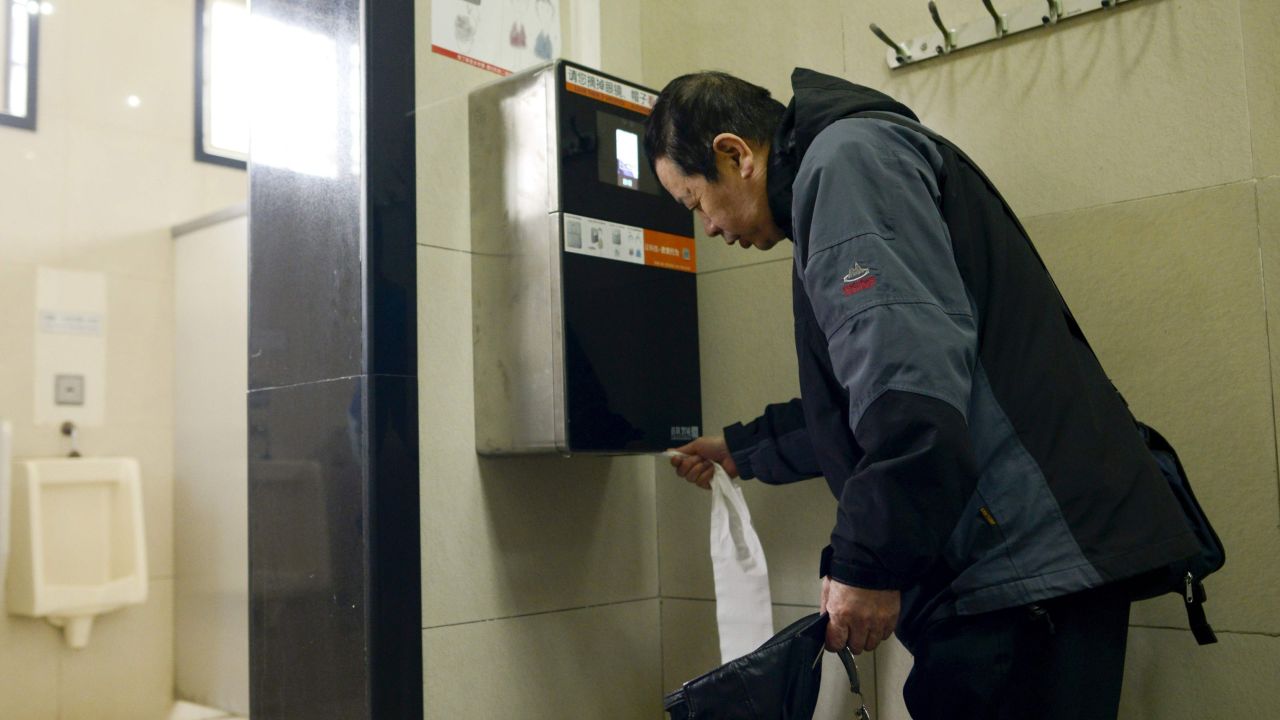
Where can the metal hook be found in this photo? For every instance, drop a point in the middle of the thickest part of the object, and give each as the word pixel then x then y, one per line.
pixel 948 34
pixel 1002 22
pixel 904 55
pixel 1055 13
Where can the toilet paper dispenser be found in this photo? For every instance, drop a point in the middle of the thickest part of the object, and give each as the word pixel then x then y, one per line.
pixel 584 286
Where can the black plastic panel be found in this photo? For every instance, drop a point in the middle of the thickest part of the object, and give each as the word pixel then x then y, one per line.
pixel 581 190
pixel 631 355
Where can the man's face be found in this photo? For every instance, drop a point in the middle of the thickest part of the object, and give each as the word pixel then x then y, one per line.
pixel 736 205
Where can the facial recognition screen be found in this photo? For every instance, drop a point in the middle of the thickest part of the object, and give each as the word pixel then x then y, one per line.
pixel 621 158
pixel 628 147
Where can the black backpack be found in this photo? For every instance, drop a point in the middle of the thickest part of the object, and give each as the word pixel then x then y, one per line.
pixel 1185 577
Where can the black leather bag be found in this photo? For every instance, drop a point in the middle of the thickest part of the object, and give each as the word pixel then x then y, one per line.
pixel 777 681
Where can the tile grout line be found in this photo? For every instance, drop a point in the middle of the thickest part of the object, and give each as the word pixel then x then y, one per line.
pixel 1218 631
pixel 520 616
pixel 1266 324
pixel 1157 196
pixel 1244 81
pixel 746 265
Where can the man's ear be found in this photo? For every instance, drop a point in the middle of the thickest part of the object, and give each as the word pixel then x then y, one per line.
pixel 737 151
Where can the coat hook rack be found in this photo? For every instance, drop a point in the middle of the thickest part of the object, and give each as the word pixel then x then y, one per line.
pixel 947 39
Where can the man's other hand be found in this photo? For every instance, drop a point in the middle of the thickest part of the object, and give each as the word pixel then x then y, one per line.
pixel 860 619
pixel 695 465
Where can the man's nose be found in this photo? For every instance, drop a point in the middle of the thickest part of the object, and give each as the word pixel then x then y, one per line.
pixel 712 229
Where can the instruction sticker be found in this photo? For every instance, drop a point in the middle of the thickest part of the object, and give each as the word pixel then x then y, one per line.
pixel 627 243
pixel 619 94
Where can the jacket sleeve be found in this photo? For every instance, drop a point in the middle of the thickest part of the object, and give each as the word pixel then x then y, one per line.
pixel 882 279
pixel 775 447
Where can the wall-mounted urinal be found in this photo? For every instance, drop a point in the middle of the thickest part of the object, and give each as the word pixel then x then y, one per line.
pixel 78 543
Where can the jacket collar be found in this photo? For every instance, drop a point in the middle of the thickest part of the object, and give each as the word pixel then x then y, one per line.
pixel 817 101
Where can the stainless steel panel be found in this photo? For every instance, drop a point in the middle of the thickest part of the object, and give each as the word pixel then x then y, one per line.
pixel 519 375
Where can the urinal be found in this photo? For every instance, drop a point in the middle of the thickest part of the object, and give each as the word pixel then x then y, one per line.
pixel 78 548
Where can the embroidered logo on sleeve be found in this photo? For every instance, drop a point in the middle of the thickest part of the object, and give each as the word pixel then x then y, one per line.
pixel 858 278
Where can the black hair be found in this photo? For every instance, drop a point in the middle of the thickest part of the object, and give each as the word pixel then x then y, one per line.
pixel 693 109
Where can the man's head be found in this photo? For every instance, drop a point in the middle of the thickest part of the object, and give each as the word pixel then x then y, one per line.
pixel 708 138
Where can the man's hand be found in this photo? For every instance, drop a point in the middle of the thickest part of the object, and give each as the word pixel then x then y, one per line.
pixel 696 466
pixel 860 619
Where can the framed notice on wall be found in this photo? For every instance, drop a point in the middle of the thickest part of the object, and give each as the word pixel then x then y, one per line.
pixel 501 36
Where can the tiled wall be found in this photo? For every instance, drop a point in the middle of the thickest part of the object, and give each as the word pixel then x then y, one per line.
pixel 1141 148
pixel 96 187
pixel 539 580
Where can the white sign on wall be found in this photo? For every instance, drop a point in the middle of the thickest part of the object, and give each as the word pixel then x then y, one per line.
pixel 501 36
pixel 71 340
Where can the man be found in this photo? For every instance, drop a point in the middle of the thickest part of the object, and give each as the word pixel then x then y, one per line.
pixel 992 490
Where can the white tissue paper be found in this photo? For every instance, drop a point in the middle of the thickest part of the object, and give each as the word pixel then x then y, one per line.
pixel 744 609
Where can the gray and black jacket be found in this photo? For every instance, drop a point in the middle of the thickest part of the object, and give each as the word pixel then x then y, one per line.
pixel 980 456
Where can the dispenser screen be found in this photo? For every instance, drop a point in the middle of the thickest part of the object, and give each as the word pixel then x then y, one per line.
pixel 628 158
pixel 621 159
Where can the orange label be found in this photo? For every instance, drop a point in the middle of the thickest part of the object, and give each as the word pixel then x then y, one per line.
pixel 673 252
pixel 605 98
pixel 608 90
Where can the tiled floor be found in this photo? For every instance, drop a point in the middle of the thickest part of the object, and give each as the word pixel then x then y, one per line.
pixel 190 711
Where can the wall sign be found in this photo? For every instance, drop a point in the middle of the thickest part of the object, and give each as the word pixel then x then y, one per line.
pixel 501 36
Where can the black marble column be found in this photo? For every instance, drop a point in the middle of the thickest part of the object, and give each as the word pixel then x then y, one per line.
pixel 334 584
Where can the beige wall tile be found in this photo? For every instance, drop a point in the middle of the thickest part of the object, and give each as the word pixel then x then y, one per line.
pixel 691 647
pixel 746 339
pixel 1269 236
pixel 1169 291
pixel 621 51
pixel 1168 676
pixel 1261 20
pixel 748 361
pixel 1113 106
pixel 757 40
pixel 511 536
pixel 715 255
pixel 126 672
pixel 680 38
pixel 794 523
pixel 29 667
pixel 590 663
pixel 444 177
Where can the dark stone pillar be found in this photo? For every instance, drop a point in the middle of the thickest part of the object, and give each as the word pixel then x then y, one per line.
pixel 334 584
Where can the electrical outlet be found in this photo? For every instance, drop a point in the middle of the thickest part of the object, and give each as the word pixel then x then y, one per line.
pixel 68 390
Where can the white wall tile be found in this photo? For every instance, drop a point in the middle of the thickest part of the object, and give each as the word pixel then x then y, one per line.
pixel 593 662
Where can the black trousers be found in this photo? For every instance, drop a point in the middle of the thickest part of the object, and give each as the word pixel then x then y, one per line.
pixel 1059 659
